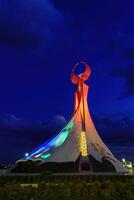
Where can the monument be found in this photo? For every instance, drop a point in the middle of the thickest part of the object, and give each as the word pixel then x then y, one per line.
pixel 78 146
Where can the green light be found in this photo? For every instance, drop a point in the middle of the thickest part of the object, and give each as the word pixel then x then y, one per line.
pixel 64 134
pixel 62 138
pixel 70 125
pixel 44 156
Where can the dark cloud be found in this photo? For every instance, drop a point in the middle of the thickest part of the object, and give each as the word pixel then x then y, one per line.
pixel 123 151
pixel 24 135
pixel 115 130
pixel 27 24
pixel 128 75
pixel 118 134
pixel 16 35
pixel 18 136
pixel 129 54
pixel 18 127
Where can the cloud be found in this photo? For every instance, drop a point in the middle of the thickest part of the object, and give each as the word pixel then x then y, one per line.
pixel 121 43
pixel 26 24
pixel 123 151
pixel 18 135
pixel 17 127
pixel 115 129
pixel 57 121
pixel 128 75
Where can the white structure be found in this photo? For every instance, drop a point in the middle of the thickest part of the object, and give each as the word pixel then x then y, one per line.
pixel 79 140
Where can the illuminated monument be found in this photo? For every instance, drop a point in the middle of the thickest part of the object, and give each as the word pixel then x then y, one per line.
pixel 77 147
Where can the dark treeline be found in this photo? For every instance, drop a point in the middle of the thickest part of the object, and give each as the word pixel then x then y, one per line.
pixel 95 187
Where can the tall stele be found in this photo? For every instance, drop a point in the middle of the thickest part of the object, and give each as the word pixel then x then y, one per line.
pixel 78 141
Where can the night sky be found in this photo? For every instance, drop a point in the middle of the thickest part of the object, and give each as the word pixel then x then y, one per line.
pixel 40 41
